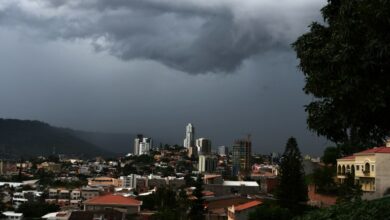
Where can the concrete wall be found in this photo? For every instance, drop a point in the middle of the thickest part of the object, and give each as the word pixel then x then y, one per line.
pixel 382 181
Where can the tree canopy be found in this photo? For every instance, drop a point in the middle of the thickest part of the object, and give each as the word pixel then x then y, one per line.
pixel 292 190
pixel 270 212
pixel 346 63
pixel 331 154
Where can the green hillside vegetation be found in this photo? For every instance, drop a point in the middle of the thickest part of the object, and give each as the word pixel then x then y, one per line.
pixel 359 210
pixel 31 138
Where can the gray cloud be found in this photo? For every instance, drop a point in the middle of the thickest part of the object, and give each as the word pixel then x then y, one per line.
pixel 191 36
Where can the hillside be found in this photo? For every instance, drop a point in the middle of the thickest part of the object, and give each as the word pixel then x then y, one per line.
pixel 120 143
pixel 31 138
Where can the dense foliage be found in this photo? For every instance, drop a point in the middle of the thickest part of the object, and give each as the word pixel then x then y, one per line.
pixel 323 179
pixel 197 206
pixel 37 209
pixel 362 210
pixel 292 190
pixel 346 63
pixel 331 154
pixel 270 212
pixel 349 190
pixel 168 203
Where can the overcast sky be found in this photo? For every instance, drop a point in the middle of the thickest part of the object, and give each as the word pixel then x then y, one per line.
pixel 152 66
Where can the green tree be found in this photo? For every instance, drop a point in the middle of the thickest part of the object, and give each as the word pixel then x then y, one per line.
pixel 346 63
pixel 323 180
pixel 349 190
pixel 165 214
pixel 2 205
pixel 189 180
pixel 184 204
pixel 367 210
pixel 197 206
pixel 270 212
pixel 292 189
pixel 37 209
pixel 331 154
pixel 165 199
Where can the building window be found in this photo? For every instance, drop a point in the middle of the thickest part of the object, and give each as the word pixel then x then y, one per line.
pixel 357 167
pixel 367 168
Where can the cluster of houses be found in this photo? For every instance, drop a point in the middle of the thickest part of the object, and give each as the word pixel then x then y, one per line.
pixel 102 196
pixel 105 197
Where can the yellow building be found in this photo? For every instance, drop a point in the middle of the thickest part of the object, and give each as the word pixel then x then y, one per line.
pixel 371 168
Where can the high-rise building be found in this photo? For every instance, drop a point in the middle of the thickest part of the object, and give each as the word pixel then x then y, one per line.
pixel 137 141
pixel 189 140
pixel 192 152
pixel 142 145
pixel 242 150
pixel 223 151
pixel 207 164
pixel 203 145
pixel 145 146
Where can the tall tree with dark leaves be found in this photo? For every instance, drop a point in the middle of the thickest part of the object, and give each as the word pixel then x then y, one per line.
pixel 346 63
pixel 292 190
pixel 197 206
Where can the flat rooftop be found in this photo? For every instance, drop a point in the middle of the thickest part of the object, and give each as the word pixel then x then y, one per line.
pixel 240 183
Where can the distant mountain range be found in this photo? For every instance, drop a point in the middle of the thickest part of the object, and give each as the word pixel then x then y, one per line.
pixel 32 138
pixel 118 143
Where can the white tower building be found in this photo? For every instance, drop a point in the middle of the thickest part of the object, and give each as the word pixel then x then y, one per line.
pixel 142 145
pixel 189 140
pixel 145 146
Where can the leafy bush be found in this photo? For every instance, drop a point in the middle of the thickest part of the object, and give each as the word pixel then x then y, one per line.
pixel 362 210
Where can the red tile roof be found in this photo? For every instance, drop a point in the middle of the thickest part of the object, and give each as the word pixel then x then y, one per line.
pixel 208 193
pixel 374 150
pixel 113 200
pixel 247 205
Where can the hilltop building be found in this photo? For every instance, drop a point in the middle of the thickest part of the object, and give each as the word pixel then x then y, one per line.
pixel 142 145
pixel 371 168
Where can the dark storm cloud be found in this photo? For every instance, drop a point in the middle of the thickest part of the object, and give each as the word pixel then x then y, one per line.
pixel 192 36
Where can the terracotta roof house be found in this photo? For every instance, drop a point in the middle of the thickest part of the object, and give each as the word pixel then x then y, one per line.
pixel 240 212
pixel 121 203
pixel 371 170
